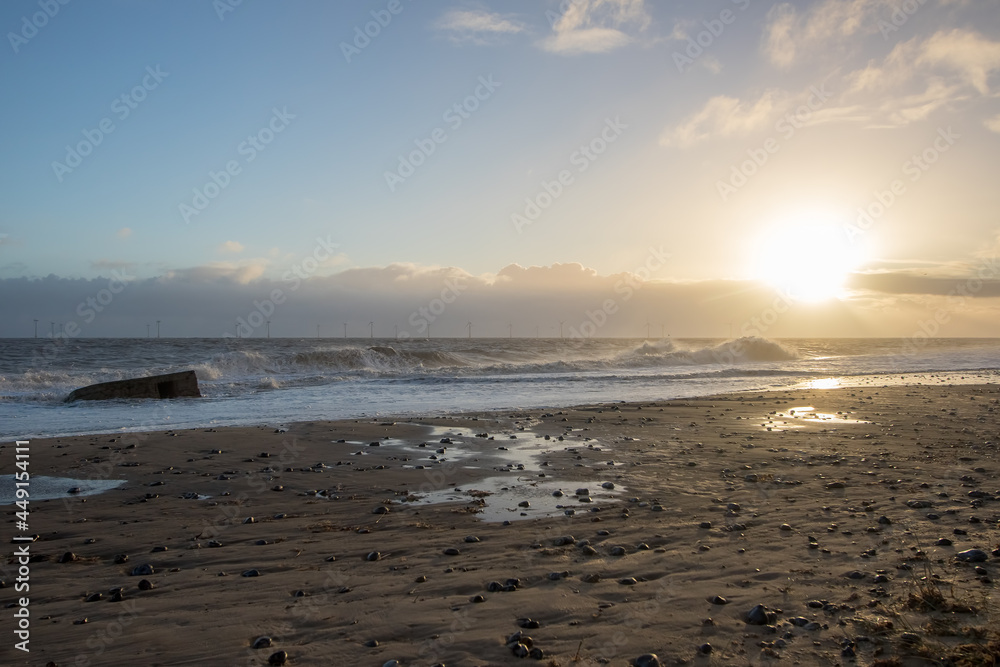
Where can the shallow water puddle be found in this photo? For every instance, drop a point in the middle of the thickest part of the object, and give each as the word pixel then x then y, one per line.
pixel 449 445
pixel 497 498
pixel 42 487
pixel 806 413
pixel 500 498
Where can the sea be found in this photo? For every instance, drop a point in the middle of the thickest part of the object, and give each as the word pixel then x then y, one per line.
pixel 275 382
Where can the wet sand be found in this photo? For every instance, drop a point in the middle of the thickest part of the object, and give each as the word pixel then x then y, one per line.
pixel 829 517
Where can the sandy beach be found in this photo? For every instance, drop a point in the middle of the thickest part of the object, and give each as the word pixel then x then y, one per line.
pixel 850 514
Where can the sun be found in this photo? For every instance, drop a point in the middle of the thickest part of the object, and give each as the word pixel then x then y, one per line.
pixel 807 259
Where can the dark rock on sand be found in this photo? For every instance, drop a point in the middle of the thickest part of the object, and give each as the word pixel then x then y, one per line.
pixel 972 556
pixel 262 642
pixel 647 660
pixel 761 615
pixel 143 570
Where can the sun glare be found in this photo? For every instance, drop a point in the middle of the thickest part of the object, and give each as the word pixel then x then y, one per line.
pixel 808 259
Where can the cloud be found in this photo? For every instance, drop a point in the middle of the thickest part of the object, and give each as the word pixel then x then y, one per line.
pixel 240 273
pixel 791 35
pixel 966 53
pixel 918 77
pixel 979 280
pixel 111 264
pixel 233 247
pixel 476 26
pixel 594 26
pixel 406 298
pixel 124 232
pixel 724 116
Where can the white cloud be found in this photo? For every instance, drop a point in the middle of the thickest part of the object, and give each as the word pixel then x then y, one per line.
pixel 594 26
pixel 916 79
pixel 124 232
pixel 920 76
pixel 724 116
pixel 233 247
pixel 792 35
pixel 476 26
pixel 968 54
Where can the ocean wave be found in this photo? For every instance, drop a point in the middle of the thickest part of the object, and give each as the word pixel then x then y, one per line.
pixel 267 369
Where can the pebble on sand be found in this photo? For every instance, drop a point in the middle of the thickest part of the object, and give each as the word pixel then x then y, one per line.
pixel 972 556
pixel 761 615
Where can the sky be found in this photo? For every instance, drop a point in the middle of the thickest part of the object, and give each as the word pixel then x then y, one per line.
pixel 707 168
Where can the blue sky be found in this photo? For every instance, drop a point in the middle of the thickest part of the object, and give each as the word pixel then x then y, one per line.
pixel 686 117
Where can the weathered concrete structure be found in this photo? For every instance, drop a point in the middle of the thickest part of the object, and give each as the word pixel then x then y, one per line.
pixel 172 385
